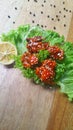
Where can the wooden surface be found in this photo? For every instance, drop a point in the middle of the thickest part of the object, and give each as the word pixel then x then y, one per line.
pixel 24 105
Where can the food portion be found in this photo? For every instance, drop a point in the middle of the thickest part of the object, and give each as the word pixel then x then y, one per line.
pixel 35 44
pixel 29 60
pixel 46 71
pixel 45 68
pixel 56 53
pixel 7 51
pixel 43 56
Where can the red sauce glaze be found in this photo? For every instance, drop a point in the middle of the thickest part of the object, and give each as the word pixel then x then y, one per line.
pixel 35 44
pixel 34 47
pixel 34 39
pixel 56 52
pixel 28 59
pixel 45 46
pixel 46 72
pixel 49 63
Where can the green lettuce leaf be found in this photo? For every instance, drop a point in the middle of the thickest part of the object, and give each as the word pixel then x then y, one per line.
pixel 42 55
pixel 27 72
pixel 17 37
pixel 66 81
pixel 64 69
pixel 53 37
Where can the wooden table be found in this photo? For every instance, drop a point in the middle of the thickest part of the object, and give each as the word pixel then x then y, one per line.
pixel 23 105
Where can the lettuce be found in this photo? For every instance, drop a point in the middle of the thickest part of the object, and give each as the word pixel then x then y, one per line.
pixel 17 37
pixel 66 81
pixel 42 55
pixel 27 72
pixel 64 69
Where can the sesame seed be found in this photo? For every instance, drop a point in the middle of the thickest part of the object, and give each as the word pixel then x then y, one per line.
pixel 15 8
pixel 45 26
pixel 63 2
pixel 41 12
pixel 9 16
pixel 58 19
pixel 30 12
pixel 57 16
pixel 33 14
pixel 70 11
pixel 64 16
pixel 35 1
pixel 48 16
pixel 54 28
pixel 42 26
pixel 32 21
pixel 37 24
pixel 64 8
pixel 50 4
pixel 64 25
pixel 52 19
pixel 60 12
pixel 54 6
pixel 44 1
pixel 42 5
pixel 13 22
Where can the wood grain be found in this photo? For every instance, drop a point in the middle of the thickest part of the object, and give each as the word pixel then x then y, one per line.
pixel 62 110
pixel 24 105
pixel 70 32
pixel 42 19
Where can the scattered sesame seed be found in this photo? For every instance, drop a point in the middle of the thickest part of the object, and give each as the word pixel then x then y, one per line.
pixel 57 16
pixel 33 14
pixel 42 5
pixel 35 1
pixel 42 26
pixel 70 11
pixel 44 1
pixel 58 19
pixel 15 8
pixel 45 26
pixel 60 12
pixel 13 22
pixel 63 2
pixel 64 16
pixel 9 16
pixel 64 25
pixel 30 12
pixel 50 4
pixel 32 21
pixel 52 19
pixel 54 6
pixel 48 16
pixel 54 28
pixel 64 8
pixel 37 24
pixel 41 12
